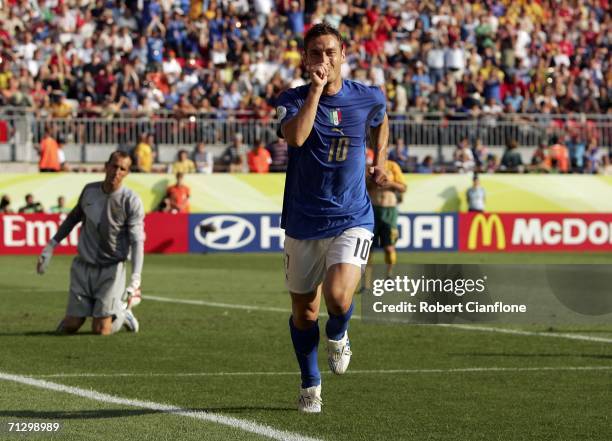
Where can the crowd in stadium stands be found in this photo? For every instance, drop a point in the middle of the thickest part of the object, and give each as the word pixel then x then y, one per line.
pixel 186 56
pixel 32 206
pixel 448 59
pixel 569 154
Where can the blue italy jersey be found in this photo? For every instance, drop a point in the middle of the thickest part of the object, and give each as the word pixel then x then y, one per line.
pixel 325 191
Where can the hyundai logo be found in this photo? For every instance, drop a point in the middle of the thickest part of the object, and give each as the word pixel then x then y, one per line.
pixel 230 232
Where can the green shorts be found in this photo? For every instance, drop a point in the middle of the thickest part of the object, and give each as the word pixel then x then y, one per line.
pixel 385 226
pixel 95 291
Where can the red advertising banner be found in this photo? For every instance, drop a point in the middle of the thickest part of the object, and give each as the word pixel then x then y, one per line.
pixel 535 232
pixel 167 233
pixel 484 232
pixel 29 233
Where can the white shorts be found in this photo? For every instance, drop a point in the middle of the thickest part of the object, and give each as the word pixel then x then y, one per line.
pixel 306 261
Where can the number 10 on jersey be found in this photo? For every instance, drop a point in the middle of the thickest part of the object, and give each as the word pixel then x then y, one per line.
pixel 338 149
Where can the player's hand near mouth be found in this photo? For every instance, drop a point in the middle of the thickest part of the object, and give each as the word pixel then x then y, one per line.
pixel 318 75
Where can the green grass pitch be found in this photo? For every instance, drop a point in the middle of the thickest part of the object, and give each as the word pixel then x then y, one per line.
pixel 452 384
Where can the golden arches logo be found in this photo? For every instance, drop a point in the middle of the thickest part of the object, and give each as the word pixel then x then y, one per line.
pixel 485 226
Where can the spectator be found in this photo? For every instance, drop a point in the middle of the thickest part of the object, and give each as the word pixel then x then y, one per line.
pixel 164 205
pixel 234 157
pixel 31 206
pixel 60 207
pixel 279 154
pixel 594 161
pixel 455 59
pixel 511 160
pixel 203 159
pixel 49 153
pixel 492 164
pixel 399 154
pixel 558 160
pixel 60 107
pixel 577 152
pixel 295 17
pixel 476 196
pixel 435 62
pixel 426 166
pixel 463 157
pixel 259 158
pixel 480 153
pixel 172 68
pixel 178 196
pixel 515 100
pixel 183 165
pixel 5 205
pixel 491 112
pixel 231 98
pixel 421 81
pixel 606 164
pixel 143 154
pixel 538 159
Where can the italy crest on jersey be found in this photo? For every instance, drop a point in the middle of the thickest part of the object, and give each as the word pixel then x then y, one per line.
pixel 335 117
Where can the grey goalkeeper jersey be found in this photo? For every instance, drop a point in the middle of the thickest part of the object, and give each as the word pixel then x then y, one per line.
pixel 111 224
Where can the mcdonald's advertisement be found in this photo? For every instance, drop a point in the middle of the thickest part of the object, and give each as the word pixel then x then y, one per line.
pixel 535 232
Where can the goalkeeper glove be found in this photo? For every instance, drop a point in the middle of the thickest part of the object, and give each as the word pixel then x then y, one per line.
pixel 132 293
pixel 45 257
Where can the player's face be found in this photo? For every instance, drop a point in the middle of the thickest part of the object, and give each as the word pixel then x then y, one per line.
pixel 328 51
pixel 117 169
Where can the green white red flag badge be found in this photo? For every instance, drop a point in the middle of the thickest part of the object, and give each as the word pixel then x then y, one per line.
pixel 335 117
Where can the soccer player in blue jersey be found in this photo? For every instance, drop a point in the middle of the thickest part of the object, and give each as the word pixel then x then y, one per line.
pixel 327 214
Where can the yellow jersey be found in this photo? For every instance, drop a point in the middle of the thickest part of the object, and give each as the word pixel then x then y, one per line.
pixel 382 197
pixel 144 153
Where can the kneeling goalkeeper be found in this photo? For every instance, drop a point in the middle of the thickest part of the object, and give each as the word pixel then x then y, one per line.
pixel 113 223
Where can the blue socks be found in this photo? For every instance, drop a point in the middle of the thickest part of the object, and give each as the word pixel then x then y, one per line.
pixel 338 324
pixel 306 344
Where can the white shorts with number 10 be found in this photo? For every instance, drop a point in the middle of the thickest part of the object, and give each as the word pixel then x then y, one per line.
pixel 306 261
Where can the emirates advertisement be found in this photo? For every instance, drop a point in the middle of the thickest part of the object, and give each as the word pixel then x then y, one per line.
pixel 29 233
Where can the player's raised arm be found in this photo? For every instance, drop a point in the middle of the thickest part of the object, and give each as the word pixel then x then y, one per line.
pixel 297 129
pixel 322 59
pixel 379 137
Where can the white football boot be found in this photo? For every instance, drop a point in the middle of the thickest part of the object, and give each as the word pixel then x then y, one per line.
pixel 130 322
pixel 310 399
pixel 339 354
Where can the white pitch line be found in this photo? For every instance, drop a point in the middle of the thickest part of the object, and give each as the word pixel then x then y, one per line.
pixel 350 372
pixel 215 304
pixel 236 423
pixel 358 317
pixel 529 333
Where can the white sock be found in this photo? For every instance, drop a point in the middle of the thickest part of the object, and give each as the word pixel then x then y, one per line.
pixel 118 320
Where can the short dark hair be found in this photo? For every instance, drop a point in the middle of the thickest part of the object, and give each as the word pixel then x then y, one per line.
pixel 120 154
pixel 322 29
